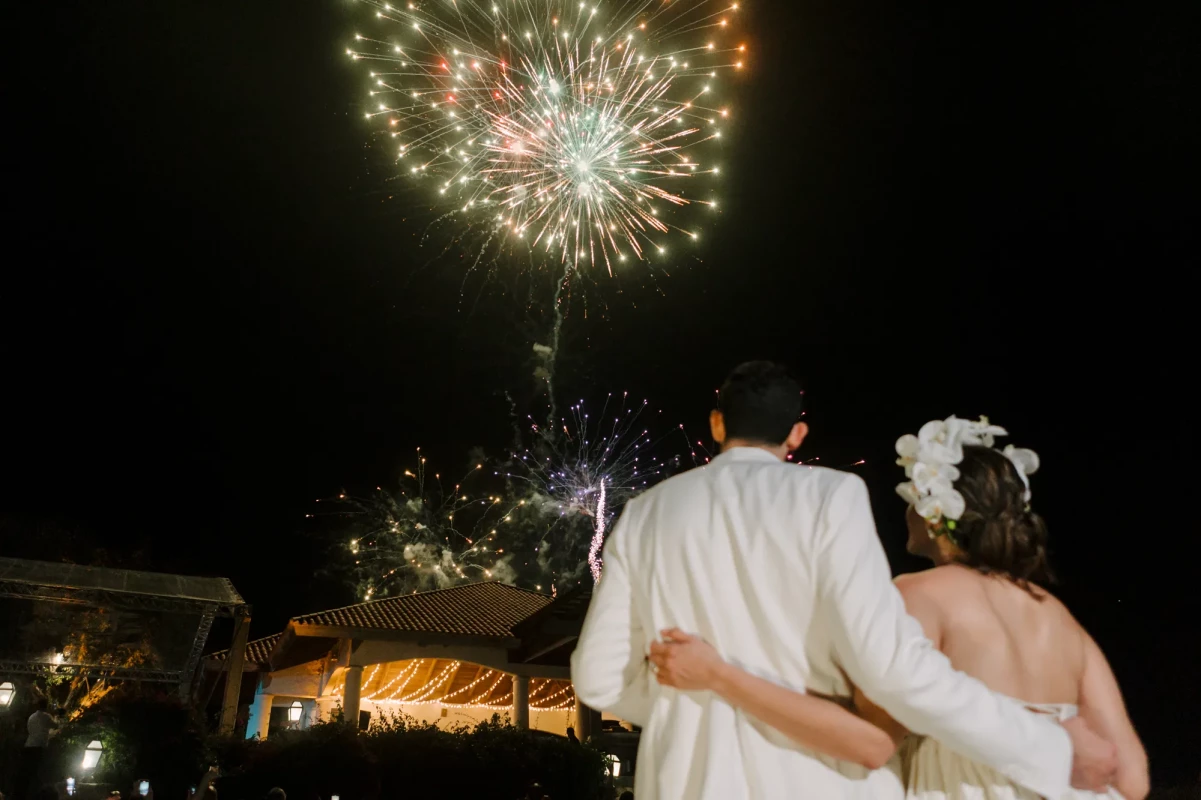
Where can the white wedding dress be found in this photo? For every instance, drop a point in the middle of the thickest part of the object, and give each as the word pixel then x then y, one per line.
pixel 932 772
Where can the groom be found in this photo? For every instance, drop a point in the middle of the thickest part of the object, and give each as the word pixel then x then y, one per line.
pixel 781 570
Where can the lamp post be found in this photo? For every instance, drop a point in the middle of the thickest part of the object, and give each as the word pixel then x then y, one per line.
pixel 7 692
pixel 91 756
pixel 294 712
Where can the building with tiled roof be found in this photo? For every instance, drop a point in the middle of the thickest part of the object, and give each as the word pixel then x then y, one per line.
pixel 258 653
pixel 476 609
pixel 451 656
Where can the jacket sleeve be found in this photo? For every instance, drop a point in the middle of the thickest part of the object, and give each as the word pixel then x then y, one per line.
pixel 885 653
pixel 609 671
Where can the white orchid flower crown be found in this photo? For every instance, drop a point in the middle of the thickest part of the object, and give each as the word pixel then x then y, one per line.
pixel 930 460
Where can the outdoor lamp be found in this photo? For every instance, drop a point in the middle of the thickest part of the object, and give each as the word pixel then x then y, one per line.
pixel 616 765
pixel 91 756
pixel 6 693
pixel 294 711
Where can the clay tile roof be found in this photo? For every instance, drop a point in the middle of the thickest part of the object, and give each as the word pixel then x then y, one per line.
pixel 257 651
pixel 477 609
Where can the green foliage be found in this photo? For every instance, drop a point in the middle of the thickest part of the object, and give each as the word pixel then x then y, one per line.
pixel 151 736
pixel 401 757
pixel 147 735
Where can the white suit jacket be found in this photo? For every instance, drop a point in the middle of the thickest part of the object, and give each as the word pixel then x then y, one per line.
pixel 780 568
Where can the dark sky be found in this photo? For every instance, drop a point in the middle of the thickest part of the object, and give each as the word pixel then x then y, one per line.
pixel 214 314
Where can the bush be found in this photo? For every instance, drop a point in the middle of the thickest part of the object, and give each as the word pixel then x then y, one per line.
pixel 491 760
pixel 403 758
pixel 152 736
pixel 327 759
pixel 146 736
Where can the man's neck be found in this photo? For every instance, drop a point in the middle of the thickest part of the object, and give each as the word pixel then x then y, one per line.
pixel 779 451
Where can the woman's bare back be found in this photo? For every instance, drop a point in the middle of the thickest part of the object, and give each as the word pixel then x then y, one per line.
pixel 1023 645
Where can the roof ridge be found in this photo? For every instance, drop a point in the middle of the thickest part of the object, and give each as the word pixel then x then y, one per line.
pixel 427 592
pixel 249 644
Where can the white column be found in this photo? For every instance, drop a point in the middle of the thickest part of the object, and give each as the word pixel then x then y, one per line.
pixel 260 715
pixel 521 702
pixel 351 695
pixel 309 715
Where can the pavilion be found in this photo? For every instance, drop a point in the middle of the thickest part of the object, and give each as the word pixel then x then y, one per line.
pixel 450 656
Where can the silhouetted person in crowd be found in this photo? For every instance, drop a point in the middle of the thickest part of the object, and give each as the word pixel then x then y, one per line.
pixel 626 795
pixel 277 794
pixel 38 728
pixel 571 737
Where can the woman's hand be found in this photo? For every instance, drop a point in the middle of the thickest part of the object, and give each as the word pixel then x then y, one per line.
pixel 686 662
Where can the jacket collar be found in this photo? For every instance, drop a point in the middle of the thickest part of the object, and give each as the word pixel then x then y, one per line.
pixel 745 454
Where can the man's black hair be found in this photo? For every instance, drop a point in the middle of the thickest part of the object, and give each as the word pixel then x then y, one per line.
pixel 760 402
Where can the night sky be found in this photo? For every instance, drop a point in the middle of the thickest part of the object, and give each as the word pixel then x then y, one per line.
pixel 216 308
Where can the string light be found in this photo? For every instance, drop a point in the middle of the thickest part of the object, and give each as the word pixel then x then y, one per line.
pixel 546 694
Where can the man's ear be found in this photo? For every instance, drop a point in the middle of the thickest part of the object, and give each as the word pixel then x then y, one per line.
pixel 717 426
pixel 796 436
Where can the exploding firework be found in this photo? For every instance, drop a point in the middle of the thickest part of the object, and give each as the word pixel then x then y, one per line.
pixel 589 470
pixel 538 522
pixel 425 535
pixel 582 131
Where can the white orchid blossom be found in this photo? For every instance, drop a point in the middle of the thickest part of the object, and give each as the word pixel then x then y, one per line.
pixel 934 478
pixel 939 442
pixel 948 504
pixel 907 449
pixel 1026 463
pixel 909 492
pixel 982 433
pixel 930 460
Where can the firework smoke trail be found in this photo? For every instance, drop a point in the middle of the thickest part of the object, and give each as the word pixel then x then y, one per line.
pixel 584 131
pixel 598 538
pixel 552 358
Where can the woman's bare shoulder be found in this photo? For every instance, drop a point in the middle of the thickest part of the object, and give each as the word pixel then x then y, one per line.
pixel 1054 607
pixel 937 580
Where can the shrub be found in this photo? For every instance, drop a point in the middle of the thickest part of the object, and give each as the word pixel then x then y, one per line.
pixel 327 759
pixel 404 758
pixel 146 735
pixel 491 760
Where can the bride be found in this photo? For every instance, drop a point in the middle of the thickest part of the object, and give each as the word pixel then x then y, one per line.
pixel 983 605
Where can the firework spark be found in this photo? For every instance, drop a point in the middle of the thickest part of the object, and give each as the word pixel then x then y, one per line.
pixel 426 535
pixel 588 471
pixel 584 131
pixel 598 537
pixel 541 523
